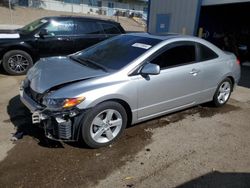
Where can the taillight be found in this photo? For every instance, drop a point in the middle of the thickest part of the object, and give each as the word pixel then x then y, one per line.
pixel 238 61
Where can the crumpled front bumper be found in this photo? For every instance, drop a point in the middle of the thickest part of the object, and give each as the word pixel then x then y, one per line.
pixel 28 102
pixel 58 125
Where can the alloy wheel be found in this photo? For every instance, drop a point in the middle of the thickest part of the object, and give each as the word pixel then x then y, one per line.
pixel 106 126
pixel 18 63
pixel 224 92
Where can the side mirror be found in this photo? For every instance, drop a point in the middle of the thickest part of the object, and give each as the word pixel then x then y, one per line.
pixel 43 32
pixel 150 69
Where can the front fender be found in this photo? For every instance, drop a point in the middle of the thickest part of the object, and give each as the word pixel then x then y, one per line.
pixel 119 92
pixel 92 103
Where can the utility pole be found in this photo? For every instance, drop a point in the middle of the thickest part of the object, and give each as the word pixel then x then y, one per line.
pixel 10 12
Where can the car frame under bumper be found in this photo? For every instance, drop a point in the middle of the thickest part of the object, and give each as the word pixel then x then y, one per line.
pixel 62 125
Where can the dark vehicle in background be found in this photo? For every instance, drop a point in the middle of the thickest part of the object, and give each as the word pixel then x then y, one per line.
pixel 51 36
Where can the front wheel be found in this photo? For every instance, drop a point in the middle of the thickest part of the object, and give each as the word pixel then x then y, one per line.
pixel 223 92
pixel 103 124
pixel 17 62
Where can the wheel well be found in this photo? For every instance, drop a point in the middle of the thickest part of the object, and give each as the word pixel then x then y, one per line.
pixel 126 107
pixel 232 80
pixel 20 48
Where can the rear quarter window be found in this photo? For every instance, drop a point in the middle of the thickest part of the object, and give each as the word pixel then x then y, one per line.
pixel 206 53
pixel 110 28
pixel 87 27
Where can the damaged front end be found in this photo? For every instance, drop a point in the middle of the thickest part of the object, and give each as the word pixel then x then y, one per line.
pixel 60 126
pixel 60 118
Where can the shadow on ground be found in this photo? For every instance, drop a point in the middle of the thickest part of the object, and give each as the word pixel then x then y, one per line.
pixel 218 180
pixel 20 117
pixel 69 166
pixel 2 72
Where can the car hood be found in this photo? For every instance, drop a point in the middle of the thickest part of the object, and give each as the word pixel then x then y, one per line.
pixel 9 34
pixel 55 71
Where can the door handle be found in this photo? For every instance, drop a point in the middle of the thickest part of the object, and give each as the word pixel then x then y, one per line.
pixel 64 39
pixel 194 72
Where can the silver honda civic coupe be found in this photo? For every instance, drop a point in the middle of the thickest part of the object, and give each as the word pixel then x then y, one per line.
pixel 94 94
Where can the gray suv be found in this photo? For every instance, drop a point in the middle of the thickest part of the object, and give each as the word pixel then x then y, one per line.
pixel 94 94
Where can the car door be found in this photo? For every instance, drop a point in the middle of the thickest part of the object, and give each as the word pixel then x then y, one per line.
pixel 87 33
pixel 178 84
pixel 211 68
pixel 58 40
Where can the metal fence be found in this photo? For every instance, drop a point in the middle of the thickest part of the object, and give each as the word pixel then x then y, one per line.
pixel 85 6
pixel 81 6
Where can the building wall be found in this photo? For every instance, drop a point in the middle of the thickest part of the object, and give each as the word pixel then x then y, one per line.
pixel 182 15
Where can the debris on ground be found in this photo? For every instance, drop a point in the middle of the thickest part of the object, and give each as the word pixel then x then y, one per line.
pixel 130 185
pixel 128 178
pixel 17 136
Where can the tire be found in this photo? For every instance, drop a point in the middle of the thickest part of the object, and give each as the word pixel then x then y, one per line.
pixel 103 124
pixel 223 93
pixel 17 62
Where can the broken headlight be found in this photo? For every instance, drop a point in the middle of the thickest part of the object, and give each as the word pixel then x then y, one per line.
pixel 62 103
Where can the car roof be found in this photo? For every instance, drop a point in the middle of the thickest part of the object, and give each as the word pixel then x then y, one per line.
pixel 86 18
pixel 156 36
pixel 167 36
pixel 179 37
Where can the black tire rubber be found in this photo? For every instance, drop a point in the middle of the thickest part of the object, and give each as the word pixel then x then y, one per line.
pixel 89 117
pixel 11 53
pixel 215 101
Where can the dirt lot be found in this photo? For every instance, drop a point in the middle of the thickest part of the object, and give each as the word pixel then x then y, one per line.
pixel 23 16
pixel 198 147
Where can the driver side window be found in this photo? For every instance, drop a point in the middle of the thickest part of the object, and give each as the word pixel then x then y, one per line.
pixel 64 27
pixel 176 54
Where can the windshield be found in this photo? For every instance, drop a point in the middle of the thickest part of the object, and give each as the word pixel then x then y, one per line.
pixel 117 52
pixel 33 26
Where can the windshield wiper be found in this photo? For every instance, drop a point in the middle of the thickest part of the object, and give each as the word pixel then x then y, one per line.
pixel 93 63
pixel 78 60
pixel 89 63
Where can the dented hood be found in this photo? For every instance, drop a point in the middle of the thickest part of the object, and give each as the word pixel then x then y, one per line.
pixel 54 71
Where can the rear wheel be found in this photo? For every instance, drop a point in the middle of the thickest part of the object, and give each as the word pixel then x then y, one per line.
pixel 103 124
pixel 223 93
pixel 17 62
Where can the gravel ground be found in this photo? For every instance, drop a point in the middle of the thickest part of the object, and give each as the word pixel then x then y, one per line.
pixel 198 147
